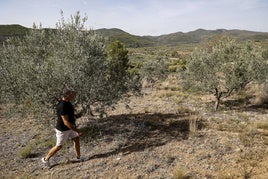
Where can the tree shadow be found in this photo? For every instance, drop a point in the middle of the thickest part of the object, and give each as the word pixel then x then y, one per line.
pixel 235 103
pixel 244 104
pixel 138 131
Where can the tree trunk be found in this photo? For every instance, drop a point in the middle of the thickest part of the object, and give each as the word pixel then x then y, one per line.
pixel 218 97
pixel 217 103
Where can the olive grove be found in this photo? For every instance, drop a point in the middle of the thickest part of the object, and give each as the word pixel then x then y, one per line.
pixel 39 66
pixel 154 69
pixel 225 66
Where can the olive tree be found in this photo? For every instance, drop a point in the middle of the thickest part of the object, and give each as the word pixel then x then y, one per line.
pixel 155 69
pixel 39 66
pixel 117 62
pixel 225 66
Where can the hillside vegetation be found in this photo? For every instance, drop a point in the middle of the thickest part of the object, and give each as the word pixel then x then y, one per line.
pixel 11 31
pixel 177 38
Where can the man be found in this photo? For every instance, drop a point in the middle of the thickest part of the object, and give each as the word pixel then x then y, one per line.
pixel 65 127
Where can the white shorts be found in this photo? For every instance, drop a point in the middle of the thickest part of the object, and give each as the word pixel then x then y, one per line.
pixel 63 136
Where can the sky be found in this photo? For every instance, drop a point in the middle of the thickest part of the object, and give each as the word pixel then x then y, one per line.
pixel 141 17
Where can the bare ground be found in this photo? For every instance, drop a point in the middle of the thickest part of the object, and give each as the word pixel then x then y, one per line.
pixel 154 136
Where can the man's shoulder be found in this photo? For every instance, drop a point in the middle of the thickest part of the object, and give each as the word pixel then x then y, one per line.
pixel 60 104
pixel 64 105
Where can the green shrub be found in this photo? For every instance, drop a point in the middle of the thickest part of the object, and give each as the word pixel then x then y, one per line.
pixel 26 152
pixel 39 66
pixel 223 67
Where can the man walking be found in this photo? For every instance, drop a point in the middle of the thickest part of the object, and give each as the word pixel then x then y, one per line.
pixel 65 127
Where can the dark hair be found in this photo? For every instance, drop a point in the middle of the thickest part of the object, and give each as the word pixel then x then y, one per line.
pixel 67 92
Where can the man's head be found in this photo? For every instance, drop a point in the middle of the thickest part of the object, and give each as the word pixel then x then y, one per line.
pixel 68 94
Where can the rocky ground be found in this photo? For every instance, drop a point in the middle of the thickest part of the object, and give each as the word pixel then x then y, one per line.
pixel 163 134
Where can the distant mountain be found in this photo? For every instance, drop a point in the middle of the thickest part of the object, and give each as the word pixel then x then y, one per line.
pixel 200 34
pixel 126 38
pixel 178 38
pixel 12 30
pixel 130 40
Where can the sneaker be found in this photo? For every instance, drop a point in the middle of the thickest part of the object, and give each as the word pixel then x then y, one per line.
pixel 80 159
pixel 45 162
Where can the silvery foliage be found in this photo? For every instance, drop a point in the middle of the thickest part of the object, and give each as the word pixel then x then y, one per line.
pixel 38 67
pixel 155 69
pixel 224 67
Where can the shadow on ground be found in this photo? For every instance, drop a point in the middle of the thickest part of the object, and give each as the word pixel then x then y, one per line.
pixel 136 132
pixel 244 104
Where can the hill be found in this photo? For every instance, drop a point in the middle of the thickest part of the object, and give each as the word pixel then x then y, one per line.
pixel 11 31
pixel 177 38
pixel 126 38
pixel 200 35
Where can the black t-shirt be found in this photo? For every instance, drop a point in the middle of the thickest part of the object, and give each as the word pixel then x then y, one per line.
pixel 65 108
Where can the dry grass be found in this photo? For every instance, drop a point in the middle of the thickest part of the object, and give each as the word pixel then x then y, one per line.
pixel 167 133
pixel 180 173
pixel 262 125
pixel 194 123
pixel 261 94
pixel 169 94
pixel 32 147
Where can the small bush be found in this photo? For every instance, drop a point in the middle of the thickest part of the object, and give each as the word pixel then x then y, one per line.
pixel 261 96
pixel 170 158
pixel 25 152
pixel 247 137
pixel 180 173
pixel 262 125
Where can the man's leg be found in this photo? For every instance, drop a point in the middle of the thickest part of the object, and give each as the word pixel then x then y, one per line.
pixel 52 152
pixel 62 137
pixel 77 146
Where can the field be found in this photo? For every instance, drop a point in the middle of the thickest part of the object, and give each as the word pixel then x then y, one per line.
pixel 165 133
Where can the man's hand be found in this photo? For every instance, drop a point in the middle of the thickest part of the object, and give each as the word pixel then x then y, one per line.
pixel 69 125
pixel 79 132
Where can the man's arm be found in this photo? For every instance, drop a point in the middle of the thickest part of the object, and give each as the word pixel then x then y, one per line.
pixel 70 125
